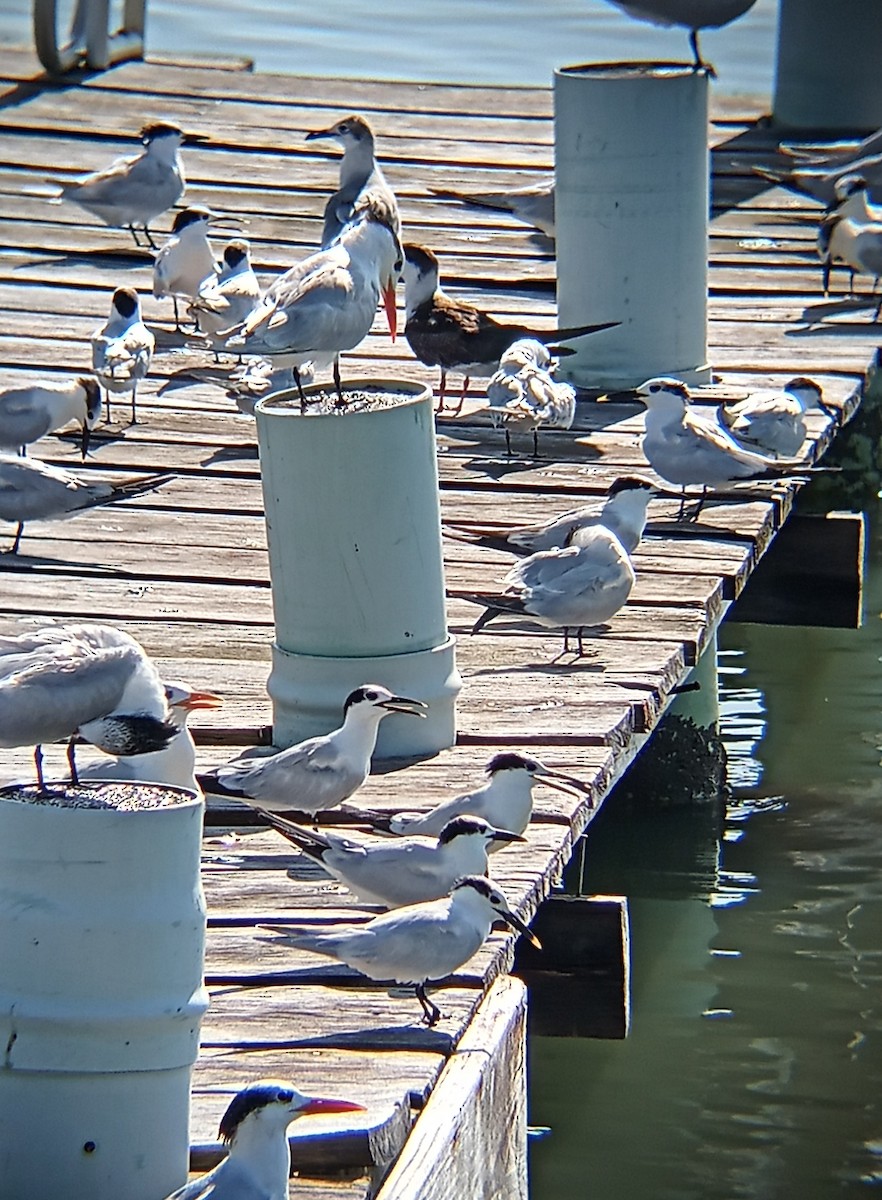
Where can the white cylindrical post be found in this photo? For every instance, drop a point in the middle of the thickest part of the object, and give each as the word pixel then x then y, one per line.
pixel 827 74
pixel 631 205
pixel 354 534
pixel 102 938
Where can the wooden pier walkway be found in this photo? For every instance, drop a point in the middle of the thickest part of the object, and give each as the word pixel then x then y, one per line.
pixel 185 569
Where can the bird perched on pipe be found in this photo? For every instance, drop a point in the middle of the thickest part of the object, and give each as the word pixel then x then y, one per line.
pixel 693 15
pixel 122 349
pixel 30 411
pixel 360 177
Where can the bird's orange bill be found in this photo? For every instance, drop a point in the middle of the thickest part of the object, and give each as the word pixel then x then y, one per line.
pixel 202 700
pixel 318 1104
pixel 391 309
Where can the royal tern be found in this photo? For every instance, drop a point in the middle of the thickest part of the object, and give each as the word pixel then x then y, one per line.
pixel 773 421
pixel 524 394
pixel 91 680
pixel 419 943
pixel 185 262
pixel 35 491
pixel 505 801
pixel 403 871
pixel 693 15
pixel 122 349
pixel 455 335
pixel 29 412
pixel 254 1129
pixel 582 586
pixel 851 202
pixel 175 763
pixel 224 301
pixel 533 204
pixel 327 303
pixel 320 772
pixel 360 177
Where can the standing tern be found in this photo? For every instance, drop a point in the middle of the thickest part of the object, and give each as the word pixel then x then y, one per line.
pixel 91 680
pixel 122 349
pixel 533 203
pixel 455 335
pixel 223 302
pixel 404 871
pixel 418 943
pixel 131 192
pixel 693 15
pixel 581 586
pixel 851 203
pixel 773 421
pixel 185 262
pixel 29 412
pixel 505 801
pixel 360 177
pixel 319 772
pixel 35 491
pixel 524 393
pixel 254 1130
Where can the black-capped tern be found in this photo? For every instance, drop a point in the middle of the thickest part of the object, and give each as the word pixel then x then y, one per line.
pixel 319 772
pixel 851 203
pixel 773 420
pixel 524 394
pixel 419 943
pixel 360 177
pixel 29 412
pixel 254 1130
pixel 122 349
pixel 224 301
pixel 693 15
pixel 185 262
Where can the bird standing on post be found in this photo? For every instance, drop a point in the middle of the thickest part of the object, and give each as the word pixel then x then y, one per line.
pixel 360 178
pixel 693 15
pixel 122 349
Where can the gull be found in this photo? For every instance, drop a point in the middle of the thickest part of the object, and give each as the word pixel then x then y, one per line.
pixel 36 491
pixel 122 349
pixel 319 772
pixel 693 15
pixel 580 586
pixel 29 412
pixel 524 393
pixel 175 763
pixel 773 421
pixel 327 302
pixel 533 203
pixel 360 176
pixel 505 801
pixel 254 1130
pixel 224 301
pixel 455 335
pixel 406 870
pixel 134 191
pixel 185 262
pixel 88 679
pixel 418 943
pixel 851 202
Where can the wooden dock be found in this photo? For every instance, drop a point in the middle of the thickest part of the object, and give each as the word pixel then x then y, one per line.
pixel 185 569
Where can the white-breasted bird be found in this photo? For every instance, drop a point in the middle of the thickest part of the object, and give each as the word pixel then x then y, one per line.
pixel 319 772
pixel 36 491
pixel 185 262
pixel 524 394
pixel 30 411
pixel 122 348
pixel 851 203
pixel 360 176
pixel 773 420
pixel 693 15
pixel 505 801
pixel 419 943
pixel 133 190
pixel 254 1130
pixel 223 302
pixel 407 870
pixel 89 679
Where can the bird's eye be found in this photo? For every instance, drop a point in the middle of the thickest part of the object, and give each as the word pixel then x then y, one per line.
pixel 655 388
pixel 372 695
pixel 285 1097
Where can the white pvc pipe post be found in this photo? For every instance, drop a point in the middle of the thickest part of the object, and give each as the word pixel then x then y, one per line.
pixel 102 939
pixel 631 213
pixel 354 533
pixel 827 70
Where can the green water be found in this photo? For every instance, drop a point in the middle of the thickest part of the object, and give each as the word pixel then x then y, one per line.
pixel 754 1066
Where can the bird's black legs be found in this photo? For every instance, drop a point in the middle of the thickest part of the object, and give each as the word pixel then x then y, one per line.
pixel 72 761
pixel 431 1011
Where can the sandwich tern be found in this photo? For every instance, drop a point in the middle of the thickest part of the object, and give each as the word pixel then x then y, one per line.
pixel 122 349
pixel 773 421
pixel 851 202
pixel 360 177
pixel 524 393
pixel 185 262
pixel 254 1130
pixel 693 15
pixel 419 943
pixel 224 301
pixel 319 772
pixel 29 412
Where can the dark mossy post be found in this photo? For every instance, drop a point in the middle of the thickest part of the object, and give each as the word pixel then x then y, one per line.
pixel 354 532
pixel 102 939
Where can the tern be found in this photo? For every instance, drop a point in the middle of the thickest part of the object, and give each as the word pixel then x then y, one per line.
pixel 93 680
pixel 223 302
pixel 505 801
pixel 36 491
pixel 29 412
pixel 524 393
pixel 326 304
pixel 360 177
pixel 533 203
pixel 455 335
pixel 407 870
pixel 319 772
pixel 254 1130
pixel 584 585
pixel 418 943
pixel 122 349
pixel 132 191
pixel 175 763
pixel 693 15
pixel 773 421
pixel 819 182
pixel 185 262
pixel 851 203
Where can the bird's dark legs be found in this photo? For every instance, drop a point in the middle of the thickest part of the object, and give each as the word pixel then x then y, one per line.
pixel 71 759
pixel 134 411
pixel 177 315
pixel 133 231
pixel 441 390
pixel 535 443
pixel 465 388
pixel 507 443
pixel 339 402
pixel 38 766
pixel 16 541
pixel 107 405
pixel 149 237
pixel 299 389
pixel 698 63
pixel 431 1011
